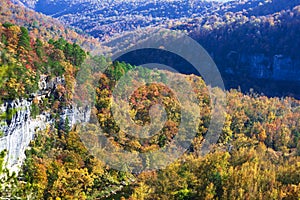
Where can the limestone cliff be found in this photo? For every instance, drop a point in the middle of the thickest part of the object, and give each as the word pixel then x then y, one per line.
pixel 19 127
pixel 277 67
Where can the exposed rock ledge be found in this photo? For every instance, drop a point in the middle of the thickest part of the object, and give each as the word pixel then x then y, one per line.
pixel 18 131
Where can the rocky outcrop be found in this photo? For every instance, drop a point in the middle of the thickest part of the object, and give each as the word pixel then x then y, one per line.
pixel 18 131
pixel 260 66
pixel 75 115
pixel 18 127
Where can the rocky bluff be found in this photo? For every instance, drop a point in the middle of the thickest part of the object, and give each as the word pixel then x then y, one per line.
pixel 19 127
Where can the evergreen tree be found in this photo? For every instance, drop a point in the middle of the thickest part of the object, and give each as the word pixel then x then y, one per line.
pixel 24 40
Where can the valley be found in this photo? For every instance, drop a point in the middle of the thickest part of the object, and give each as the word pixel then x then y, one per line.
pixel 79 122
pixel 248 29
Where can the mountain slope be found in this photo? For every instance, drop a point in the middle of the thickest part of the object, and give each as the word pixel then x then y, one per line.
pixel 43 26
pixel 104 19
pixel 109 18
pixel 257 155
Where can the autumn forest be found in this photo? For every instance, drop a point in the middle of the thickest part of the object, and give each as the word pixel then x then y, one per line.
pixel 62 72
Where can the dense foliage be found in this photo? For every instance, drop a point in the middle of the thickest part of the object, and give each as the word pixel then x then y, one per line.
pixel 24 59
pixel 105 19
pixel 41 26
pixel 258 152
pixel 257 156
pixel 276 33
pixel 59 166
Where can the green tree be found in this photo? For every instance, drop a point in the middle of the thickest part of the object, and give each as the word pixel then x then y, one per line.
pixel 24 40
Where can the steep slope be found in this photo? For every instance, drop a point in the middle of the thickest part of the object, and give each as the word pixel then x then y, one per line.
pixel 256 157
pixel 43 26
pixel 253 42
pixel 36 86
pixel 104 19
pixel 259 144
pixel 255 52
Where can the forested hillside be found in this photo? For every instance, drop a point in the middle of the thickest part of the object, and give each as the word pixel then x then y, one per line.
pixel 257 155
pixel 43 26
pixel 105 19
pixel 24 59
pixel 258 39
pixel 254 46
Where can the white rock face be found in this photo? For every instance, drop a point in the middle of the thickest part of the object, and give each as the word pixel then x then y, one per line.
pixel 17 132
pixel 20 129
pixel 277 67
pixel 75 115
